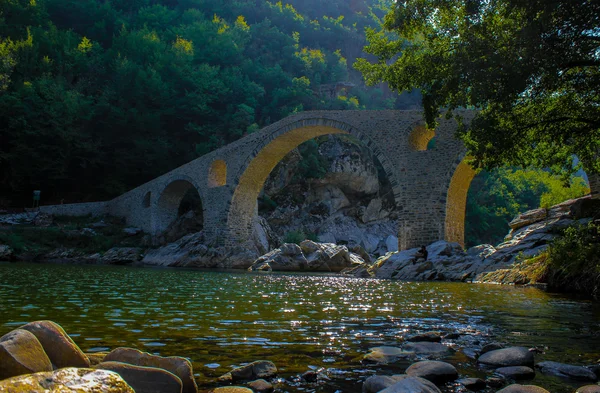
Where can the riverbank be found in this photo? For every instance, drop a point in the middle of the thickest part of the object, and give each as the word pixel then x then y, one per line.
pixel 523 259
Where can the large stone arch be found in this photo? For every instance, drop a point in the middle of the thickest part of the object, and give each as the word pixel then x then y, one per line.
pixel 168 203
pixel 252 176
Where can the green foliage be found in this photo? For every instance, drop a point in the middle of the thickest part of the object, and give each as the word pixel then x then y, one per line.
pixel 296 237
pixel 313 164
pixel 531 68
pixel 496 197
pixel 97 97
pixel 574 261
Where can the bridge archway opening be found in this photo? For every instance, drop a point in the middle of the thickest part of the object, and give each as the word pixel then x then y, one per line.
pixel 252 179
pixel 456 203
pixel 478 227
pixel 421 138
pixel 180 198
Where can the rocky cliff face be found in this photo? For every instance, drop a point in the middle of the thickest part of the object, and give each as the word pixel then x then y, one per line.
pixel 350 203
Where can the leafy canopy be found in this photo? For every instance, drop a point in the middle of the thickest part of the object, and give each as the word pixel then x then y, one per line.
pixel 531 68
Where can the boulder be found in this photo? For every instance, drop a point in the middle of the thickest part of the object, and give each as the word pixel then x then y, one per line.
pixel 385 355
pixel 377 383
pixel 21 353
pixel 391 243
pixel 427 348
pixel 562 370
pixel 5 252
pixel 490 347
pixel 329 196
pixel 589 389
pixel 410 384
pixel 513 356
pixel 372 212
pixel 473 384
pixel 43 220
pixel 310 376
pixel 60 348
pixel 528 218
pixel 181 367
pixel 261 386
pixel 516 372
pixel 516 388
pixel 144 379
pixel 434 371
pixel 191 251
pixel 255 370
pixel 308 256
pixel 67 380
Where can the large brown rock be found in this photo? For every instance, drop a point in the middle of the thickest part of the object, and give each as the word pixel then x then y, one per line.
pixel 60 348
pixel 144 379
pixel 21 353
pixel 67 380
pixel 179 366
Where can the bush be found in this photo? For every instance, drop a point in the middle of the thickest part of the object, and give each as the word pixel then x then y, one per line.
pixel 294 237
pixel 574 260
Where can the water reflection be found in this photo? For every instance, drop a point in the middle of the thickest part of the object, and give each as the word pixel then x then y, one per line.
pixel 222 319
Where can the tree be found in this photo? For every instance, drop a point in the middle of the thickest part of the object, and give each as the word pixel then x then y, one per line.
pixel 531 68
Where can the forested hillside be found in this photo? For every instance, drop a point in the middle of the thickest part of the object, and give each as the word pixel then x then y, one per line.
pixel 97 97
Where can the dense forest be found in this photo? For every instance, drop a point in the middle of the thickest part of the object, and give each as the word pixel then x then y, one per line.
pixel 100 96
pixel 97 97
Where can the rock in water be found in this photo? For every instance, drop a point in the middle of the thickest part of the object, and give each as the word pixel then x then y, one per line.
pixel 144 379
pixel 434 371
pixel 513 356
pixel 516 372
pixel 261 386
pixel 255 370
pixel 60 348
pixel 377 383
pixel 385 355
pixel 589 389
pixel 562 370
pixel 21 353
pixel 516 388
pixel 474 384
pixel 176 365
pixel 410 384
pixel 232 389
pixel 67 380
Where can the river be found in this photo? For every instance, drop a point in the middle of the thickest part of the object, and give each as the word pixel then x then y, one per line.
pixel 298 321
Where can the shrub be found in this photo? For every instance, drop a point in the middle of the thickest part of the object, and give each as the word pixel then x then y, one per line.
pixel 574 260
pixel 294 237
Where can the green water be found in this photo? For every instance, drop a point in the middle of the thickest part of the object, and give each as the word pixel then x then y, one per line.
pixel 222 319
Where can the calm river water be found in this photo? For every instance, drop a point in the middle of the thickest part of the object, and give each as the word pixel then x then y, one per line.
pixel 300 322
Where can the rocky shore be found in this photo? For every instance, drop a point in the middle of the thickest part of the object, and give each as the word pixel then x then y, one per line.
pixel 531 233
pixel 41 357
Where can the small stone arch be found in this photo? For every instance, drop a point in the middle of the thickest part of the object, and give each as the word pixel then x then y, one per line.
pixel 456 202
pixel 169 205
pixel 217 174
pixel 252 176
pixel 419 138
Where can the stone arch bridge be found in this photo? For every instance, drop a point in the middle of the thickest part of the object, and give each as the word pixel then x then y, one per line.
pixel 429 186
